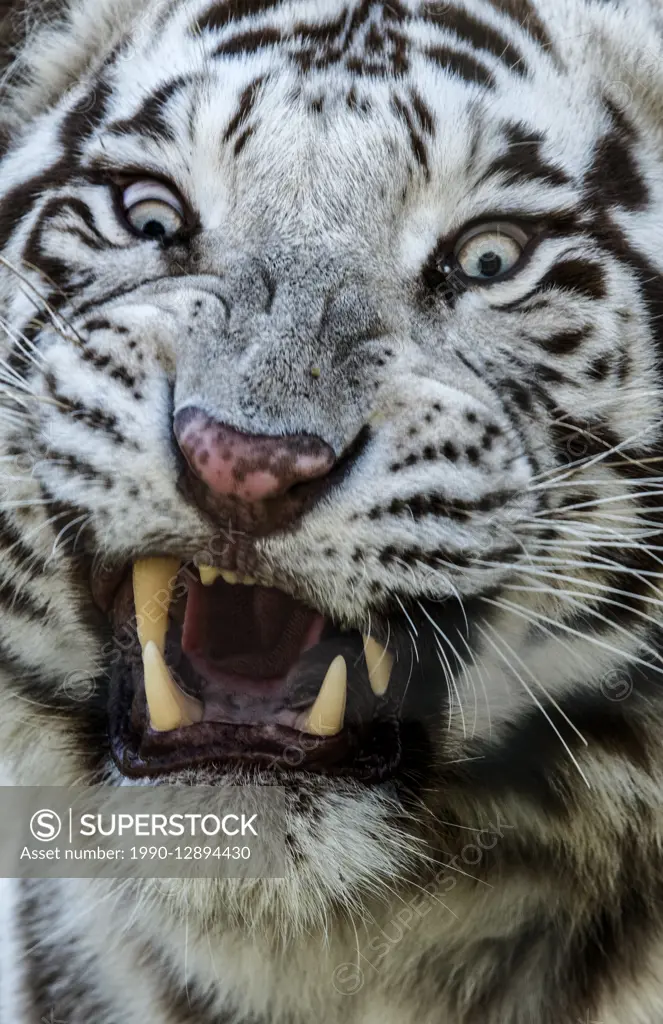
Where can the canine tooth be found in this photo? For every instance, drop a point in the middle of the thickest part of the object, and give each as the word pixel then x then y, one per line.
pixel 153 579
pixel 248 581
pixel 229 577
pixel 208 575
pixel 169 706
pixel 379 663
pixel 327 714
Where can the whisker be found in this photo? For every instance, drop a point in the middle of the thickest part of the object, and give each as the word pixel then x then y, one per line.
pixel 540 571
pixel 608 480
pixel 537 702
pixel 407 616
pixel 535 617
pixel 594 460
pixel 451 684
pixel 40 302
pixel 611 499
pixel 482 682
pixel 573 599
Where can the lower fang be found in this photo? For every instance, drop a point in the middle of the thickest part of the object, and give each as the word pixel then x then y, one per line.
pixel 379 663
pixel 328 713
pixel 169 707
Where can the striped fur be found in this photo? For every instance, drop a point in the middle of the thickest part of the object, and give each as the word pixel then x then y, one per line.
pixel 502 517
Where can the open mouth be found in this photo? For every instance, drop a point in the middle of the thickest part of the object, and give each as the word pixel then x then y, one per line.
pixel 213 668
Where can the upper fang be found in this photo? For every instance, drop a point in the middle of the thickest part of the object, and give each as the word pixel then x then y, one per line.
pixel 154 580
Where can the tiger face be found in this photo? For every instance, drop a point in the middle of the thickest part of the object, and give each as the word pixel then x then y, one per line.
pixel 329 357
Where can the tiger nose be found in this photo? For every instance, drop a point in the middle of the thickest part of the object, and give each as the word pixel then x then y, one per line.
pixel 250 467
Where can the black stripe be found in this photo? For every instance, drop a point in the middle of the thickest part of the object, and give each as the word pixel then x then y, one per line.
pixel 50 700
pixel 523 159
pixel 648 276
pixel 374 40
pixel 101 324
pixel 246 103
pixel 576 439
pixel 14 546
pixel 524 963
pixel 94 418
pixel 462 65
pixel 441 556
pixel 524 13
pixel 395 64
pixel 552 375
pixel 600 368
pixel 323 33
pixel 79 467
pixel 183 1002
pixel 17 203
pixel 417 506
pixel 150 118
pixel 42 973
pixel 76 128
pixel 583 277
pixel 530 760
pixel 84 118
pixel 619 936
pixel 417 144
pixel 360 16
pixel 563 343
pixel 606 943
pixel 17 600
pixel 614 179
pixel 55 270
pixel 393 10
pixel 221 14
pixel 423 112
pixel 509 307
pixel 75 536
pixel 59 987
pixel 248 42
pixel 242 140
pixel 116 371
pixel 18 358
pixel 121 292
pixel 477 33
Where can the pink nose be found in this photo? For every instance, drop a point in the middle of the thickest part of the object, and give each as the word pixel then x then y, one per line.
pixel 251 467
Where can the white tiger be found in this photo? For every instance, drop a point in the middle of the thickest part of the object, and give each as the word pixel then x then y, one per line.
pixel 336 330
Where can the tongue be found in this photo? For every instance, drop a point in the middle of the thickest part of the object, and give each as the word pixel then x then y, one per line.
pixel 258 632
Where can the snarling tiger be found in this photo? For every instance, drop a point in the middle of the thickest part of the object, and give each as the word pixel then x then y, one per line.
pixel 333 329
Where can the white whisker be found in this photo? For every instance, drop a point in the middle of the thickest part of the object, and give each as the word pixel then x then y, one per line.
pixel 536 701
pixel 535 617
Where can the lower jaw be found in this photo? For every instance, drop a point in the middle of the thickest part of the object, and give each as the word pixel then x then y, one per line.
pixel 250 722
pixel 367 752
pixel 252 675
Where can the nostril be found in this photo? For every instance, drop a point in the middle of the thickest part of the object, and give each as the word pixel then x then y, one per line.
pixel 250 467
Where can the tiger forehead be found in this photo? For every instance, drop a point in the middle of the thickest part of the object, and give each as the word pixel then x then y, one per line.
pixel 372 37
pixel 267 165
pixel 338 55
pixel 331 114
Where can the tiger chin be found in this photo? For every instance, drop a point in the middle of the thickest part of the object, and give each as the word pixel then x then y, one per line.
pixel 330 440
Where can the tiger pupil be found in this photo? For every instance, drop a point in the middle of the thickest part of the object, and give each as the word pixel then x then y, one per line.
pixel 490 264
pixel 154 229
